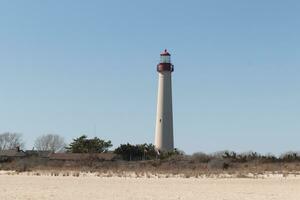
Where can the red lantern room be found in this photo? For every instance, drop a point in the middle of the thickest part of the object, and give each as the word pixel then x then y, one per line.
pixel 165 62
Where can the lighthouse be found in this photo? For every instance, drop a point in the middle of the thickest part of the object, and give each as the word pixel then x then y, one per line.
pixel 164 139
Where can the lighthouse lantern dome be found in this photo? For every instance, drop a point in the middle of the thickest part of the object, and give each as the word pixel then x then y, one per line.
pixel 165 57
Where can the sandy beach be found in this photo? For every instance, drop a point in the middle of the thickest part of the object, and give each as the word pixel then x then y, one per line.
pixel 28 187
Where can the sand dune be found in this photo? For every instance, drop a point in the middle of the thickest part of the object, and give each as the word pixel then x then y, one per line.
pixel 92 187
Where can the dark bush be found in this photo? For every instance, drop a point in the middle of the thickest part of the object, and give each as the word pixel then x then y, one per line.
pixel 136 152
pixel 290 157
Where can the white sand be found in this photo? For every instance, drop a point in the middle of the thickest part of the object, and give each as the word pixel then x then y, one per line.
pixel 26 187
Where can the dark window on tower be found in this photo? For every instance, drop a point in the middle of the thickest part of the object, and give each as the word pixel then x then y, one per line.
pixel 160 120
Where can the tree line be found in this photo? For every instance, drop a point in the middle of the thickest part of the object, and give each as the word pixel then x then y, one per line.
pixel 130 152
pixel 56 144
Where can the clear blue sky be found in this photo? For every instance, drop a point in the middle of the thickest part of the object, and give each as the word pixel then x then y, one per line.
pixel 71 67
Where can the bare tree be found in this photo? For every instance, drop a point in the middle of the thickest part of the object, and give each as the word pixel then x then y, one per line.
pixel 10 141
pixel 50 142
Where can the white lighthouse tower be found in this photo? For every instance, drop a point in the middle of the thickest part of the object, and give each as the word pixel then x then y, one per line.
pixel 164 140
